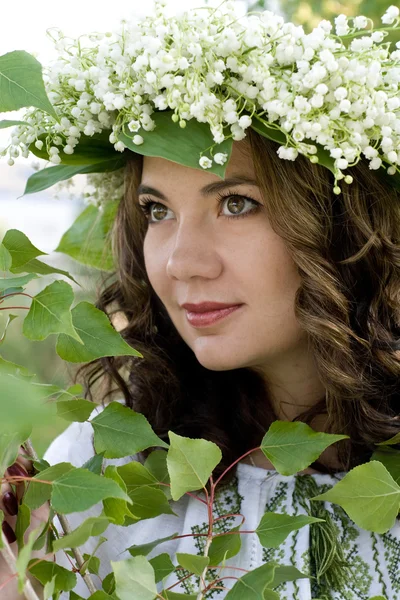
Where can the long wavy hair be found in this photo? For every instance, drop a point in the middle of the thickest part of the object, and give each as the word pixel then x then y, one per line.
pixel 346 248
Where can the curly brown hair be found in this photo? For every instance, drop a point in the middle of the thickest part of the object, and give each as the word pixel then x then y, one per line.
pixel 346 248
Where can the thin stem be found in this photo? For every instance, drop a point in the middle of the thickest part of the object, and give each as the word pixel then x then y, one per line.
pixel 16 308
pixel 10 559
pixel 66 528
pixel 233 464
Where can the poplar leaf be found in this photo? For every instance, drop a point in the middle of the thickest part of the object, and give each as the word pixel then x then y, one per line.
pixel 10 368
pixel 75 410
pixel 392 441
pixel 79 489
pixel 134 578
pixel 114 508
pixel 98 335
pixel 190 463
pixel 292 447
pixel 119 431
pixel 10 442
pixel 23 522
pixel 21 406
pixel 162 565
pixel 46 570
pixel 286 573
pixel 94 464
pixel 87 240
pixel 369 495
pixel 92 564
pixel 10 319
pixel 156 464
pixel 275 527
pixel 93 526
pixel 188 144
pixel 50 313
pixel 269 594
pixel 20 247
pixel 21 83
pixel 38 493
pixel 144 549
pixel 15 282
pixel 252 585
pixel 5 258
pixel 148 502
pixel 23 558
pixel 193 563
pixel 390 458
pixel 41 268
pixel 49 588
pixel 224 546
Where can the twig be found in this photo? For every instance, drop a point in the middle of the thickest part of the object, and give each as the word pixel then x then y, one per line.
pixel 9 558
pixel 66 528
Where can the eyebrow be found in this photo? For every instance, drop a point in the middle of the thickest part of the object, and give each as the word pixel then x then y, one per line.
pixel 207 190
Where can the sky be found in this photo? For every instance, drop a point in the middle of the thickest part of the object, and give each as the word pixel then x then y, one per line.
pixel 23 27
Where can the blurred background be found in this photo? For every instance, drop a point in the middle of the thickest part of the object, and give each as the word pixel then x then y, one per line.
pixel 44 217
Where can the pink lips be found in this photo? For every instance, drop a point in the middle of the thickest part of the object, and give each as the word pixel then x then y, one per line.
pixel 205 319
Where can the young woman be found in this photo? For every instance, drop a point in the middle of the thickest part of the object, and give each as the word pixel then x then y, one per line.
pixel 314 336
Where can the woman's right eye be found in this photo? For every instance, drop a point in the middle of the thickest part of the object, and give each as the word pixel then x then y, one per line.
pixel 147 204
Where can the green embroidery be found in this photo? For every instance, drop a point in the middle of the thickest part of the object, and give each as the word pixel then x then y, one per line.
pixel 392 559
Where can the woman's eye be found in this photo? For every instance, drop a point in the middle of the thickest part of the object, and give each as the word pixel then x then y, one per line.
pixel 235 204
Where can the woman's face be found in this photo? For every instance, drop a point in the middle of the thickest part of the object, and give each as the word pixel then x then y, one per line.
pixel 197 250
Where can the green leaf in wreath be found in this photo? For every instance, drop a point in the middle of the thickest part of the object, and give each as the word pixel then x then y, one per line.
pixel 20 247
pixel 98 335
pixel 293 446
pixel 119 431
pixel 252 585
pixel 75 410
pixel 93 526
pixel 21 83
pixel 90 150
pixel 390 458
pixel 5 258
pixel 46 178
pixel 188 144
pixel 162 565
pixel 41 268
pixel 45 570
pixel 8 123
pixel 145 549
pixel 193 563
pixel 274 528
pixel 224 546
pixel 190 463
pixel 79 489
pixel 16 282
pixel 369 495
pixel 87 240
pixel 50 313
pixel 134 578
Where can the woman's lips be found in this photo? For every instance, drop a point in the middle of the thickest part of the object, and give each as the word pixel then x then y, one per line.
pixel 205 319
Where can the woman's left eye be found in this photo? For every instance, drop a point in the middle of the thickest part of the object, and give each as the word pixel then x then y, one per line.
pixel 239 202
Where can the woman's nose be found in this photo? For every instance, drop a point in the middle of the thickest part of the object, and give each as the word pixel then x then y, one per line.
pixel 193 253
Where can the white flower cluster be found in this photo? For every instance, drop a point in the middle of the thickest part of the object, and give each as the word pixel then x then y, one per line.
pixel 218 68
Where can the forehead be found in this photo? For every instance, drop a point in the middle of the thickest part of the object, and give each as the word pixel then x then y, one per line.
pixel 164 173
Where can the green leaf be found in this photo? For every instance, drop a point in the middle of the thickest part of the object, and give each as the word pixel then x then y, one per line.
pixel 193 563
pixel 392 441
pixel 5 259
pixel 369 495
pixel 145 549
pixel 390 458
pixel 21 83
pixel 20 247
pixel 108 583
pixel 94 464
pixel 49 589
pixel 135 475
pixel 115 509
pixel 162 565
pixel 92 563
pixel 252 585
pixel 16 281
pixel 75 410
pixel 10 368
pixel 10 441
pixel 188 144
pixel 224 546
pixel 80 489
pixel 149 502
pixel 90 150
pixel 13 290
pixel 134 578
pixel 269 594
pixel 292 447
pixel 93 526
pixel 8 123
pixel 156 464
pixel 46 178
pixel 45 570
pixel 286 573
pixel 21 406
pixel 87 240
pixel 98 335
pixel 268 131
pixel 23 522
pixel 38 493
pixel 41 268
pixel 23 559
pixel 119 431
pixel 100 595
pixel 190 463
pixel 73 596
pixel 50 313
pixel 10 319
pixel 275 527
